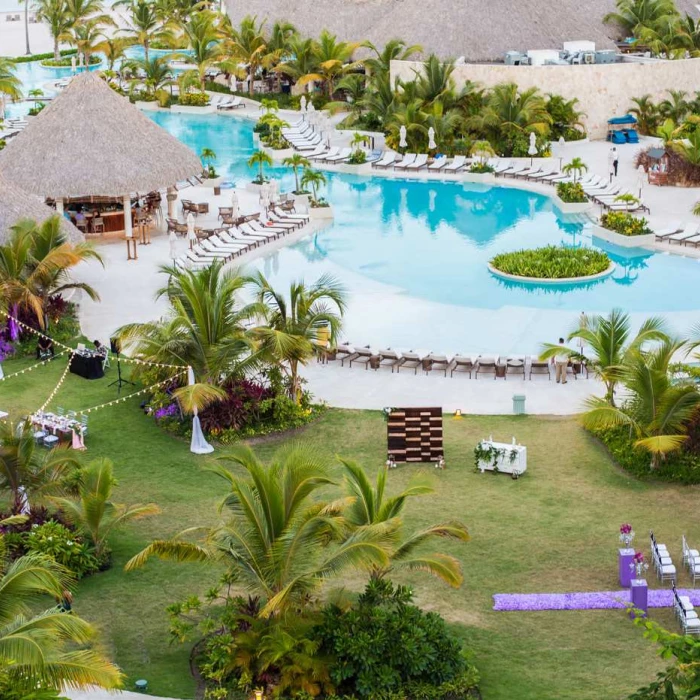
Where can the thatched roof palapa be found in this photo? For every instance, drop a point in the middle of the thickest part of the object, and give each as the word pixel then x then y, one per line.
pixel 92 141
pixel 15 204
pixel 479 30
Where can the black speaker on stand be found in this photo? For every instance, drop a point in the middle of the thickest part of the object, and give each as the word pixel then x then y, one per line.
pixel 115 347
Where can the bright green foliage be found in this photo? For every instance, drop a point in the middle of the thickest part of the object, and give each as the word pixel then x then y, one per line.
pixel 571 192
pixel 625 224
pixel 63 546
pixel 552 262
pixel 384 643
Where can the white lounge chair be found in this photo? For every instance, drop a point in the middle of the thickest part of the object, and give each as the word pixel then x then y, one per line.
pixel 405 161
pixel 690 231
pixel 438 163
pixel 420 162
pixel 387 160
pixel 456 165
pixel 671 227
pixel 321 153
pixel 343 155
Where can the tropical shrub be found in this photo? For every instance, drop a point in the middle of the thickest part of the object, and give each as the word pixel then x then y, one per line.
pixel 625 224
pixel 62 321
pixel 384 643
pixel 552 262
pixel 194 99
pixel 358 157
pixel 481 168
pixel 66 61
pixel 65 547
pixel 43 56
pixel 571 192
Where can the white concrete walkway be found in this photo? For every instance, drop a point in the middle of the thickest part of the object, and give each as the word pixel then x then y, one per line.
pixel 99 694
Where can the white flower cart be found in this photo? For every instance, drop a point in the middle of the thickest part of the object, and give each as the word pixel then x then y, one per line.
pixel 501 457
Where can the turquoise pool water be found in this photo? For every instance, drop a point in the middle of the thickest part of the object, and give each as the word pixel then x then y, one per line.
pixel 433 239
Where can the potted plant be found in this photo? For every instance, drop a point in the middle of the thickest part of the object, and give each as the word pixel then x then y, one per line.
pixel 358 156
pixel 296 161
pixel 319 208
pixel 210 177
pixel 259 159
pixel 481 150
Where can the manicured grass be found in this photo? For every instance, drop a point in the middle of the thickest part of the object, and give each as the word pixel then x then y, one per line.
pixel 553 530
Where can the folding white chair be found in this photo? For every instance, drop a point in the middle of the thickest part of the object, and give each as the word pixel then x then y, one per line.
pixel 688 553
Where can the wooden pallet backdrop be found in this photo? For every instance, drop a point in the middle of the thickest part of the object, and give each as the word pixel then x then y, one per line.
pixel 415 434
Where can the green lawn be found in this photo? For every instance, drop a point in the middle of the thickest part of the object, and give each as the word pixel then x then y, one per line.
pixel 553 530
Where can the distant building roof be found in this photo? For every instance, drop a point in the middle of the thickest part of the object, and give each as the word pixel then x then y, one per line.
pixel 475 29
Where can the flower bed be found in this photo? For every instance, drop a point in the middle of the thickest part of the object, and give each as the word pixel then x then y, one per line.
pixel 625 224
pixel 552 263
pixel 571 193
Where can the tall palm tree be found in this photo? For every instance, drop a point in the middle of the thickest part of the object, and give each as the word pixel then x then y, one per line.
pixel 658 410
pixel 393 50
pixel 247 43
pixel 87 35
pixel 412 116
pixel 204 329
pixel 313 178
pixel 665 38
pixel 301 60
pixel 371 506
pixel 296 161
pixel 55 14
pixel 114 48
pixel 608 344
pixel 42 650
pixel 203 37
pixel 154 74
pixel 647 114
pixel 259 158
pixel 633 15
pixel 93 511
pixel 278 47
pixel 30 473
pixel 82 9
pixel 36 263
pixel 144 25
pixel 280 540
pixel 689 148
pixel 675 106
pixel 381 98
pixel 333 60
pixel 434 81
pixel 10 84
pixel 297 325
pixel 445 123
pixel 576 167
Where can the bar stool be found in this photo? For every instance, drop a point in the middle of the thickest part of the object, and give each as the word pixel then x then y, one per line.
pixel 98 225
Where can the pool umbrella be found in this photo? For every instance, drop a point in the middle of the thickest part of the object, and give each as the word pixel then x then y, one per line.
pixel 234 204
pixel 302 104
pixel 532 149
pixel 274 190
pixel 402 137
pixel 191 235
pixel 172 239
pixel 431 139
pixel 641 179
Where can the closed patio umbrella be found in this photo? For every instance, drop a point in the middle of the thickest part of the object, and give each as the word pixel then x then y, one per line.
pixel 402 137
pixel 191 235
pixel 274 191
pixel 532 149
pixel 302 104
pixel 431 139
pixel 641 179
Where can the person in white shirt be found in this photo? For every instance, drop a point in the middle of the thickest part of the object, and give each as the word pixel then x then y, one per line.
pixel 561 361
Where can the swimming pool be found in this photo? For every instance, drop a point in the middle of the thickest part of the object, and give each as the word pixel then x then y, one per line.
pixel 413 255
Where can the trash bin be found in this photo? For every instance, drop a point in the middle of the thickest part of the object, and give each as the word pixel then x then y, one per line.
pixel 518 404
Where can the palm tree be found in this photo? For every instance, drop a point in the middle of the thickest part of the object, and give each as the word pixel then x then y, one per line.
pixel 278 47
pixel 354 87
pixel 482 150
pixel 154 74
pixel 333 60
pixel 247 44
pixel 40 651
pixel 689 148
pixel 394 50
pixel 87 36
pixel 93 511
pixel 412 116
pixel 259 158
pixel 297 326
pixel 576 166
pixel 371 506
pixel 79 10
pixel 302 61
pixel 633 15
pixel 35 264
pixel 144 25
pixel 510 112
pixel 435 82
pixel 204 328
pixel 279 541
pixel 607 345
pixel 664 38
pixel 55 14
pixel 10 84
pixel 647 114
pixel 658 410
pixel 28 472
pixel 315 178
pixel 669 132
pixel 296 161
pixel 675 107
pixel 381 98
pixel 113 49
pixel 445 124
pixel 203 40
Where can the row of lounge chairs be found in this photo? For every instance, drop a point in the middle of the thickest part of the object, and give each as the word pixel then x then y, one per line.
pixel 418 161
pixel 491 366
pixel 230 103
pixel 687 235
pixel 228 242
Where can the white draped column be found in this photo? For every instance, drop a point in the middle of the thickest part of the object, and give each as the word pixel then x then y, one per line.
pixel 131 253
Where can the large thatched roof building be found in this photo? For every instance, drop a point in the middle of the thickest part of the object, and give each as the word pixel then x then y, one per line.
pixel 15 204
pixel 90 141
pixel 479 30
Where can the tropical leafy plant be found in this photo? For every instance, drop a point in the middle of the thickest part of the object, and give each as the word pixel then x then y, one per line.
pixel 296 161
pixel 625 224
pixel 259 158
pixel 552 262
pixel 314 179
pixel 575 167
pixel 571 192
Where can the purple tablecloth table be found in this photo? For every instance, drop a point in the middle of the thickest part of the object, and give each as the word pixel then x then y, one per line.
pixel 638 595
pixel 625 557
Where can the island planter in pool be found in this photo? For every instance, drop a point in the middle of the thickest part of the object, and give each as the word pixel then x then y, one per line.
pixel 212 181
pixel 302 202
pixel 571 207
pixel 552 281
pixel 643 241
pixel 483 178
pixel 151 106
pixel 320 213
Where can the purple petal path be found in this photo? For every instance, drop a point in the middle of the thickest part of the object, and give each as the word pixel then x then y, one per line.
pixel 601 600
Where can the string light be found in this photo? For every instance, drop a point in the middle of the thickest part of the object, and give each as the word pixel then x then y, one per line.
pixel 58 386
pixel 33 367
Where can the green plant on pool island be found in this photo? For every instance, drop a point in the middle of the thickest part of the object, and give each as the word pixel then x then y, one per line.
pixel 259 158
pixel 576 168
pixel 481 168
pixel 296 161
pixel 571 192
pixel 314 179
pixel 629 200
pixel 625 224
pixel 552 262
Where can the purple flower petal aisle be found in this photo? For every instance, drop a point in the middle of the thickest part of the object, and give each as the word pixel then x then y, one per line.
pixel 601 600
